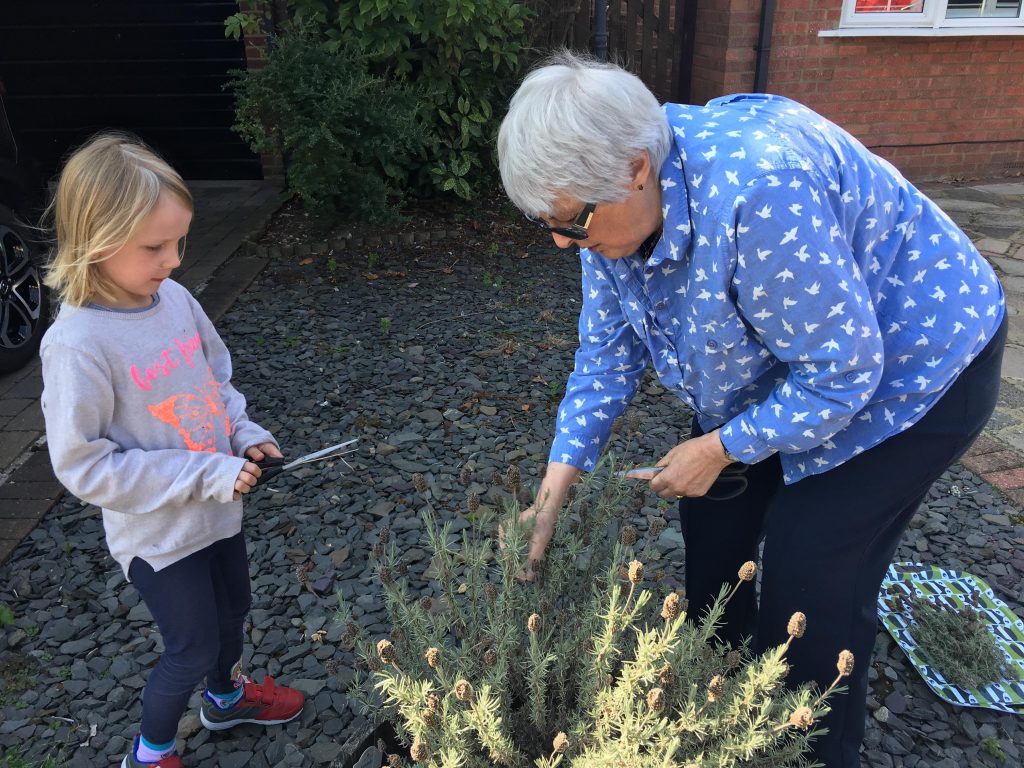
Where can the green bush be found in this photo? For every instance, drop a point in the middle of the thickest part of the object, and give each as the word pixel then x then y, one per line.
pixel 464 56
pixel 593 663
pixel 348 136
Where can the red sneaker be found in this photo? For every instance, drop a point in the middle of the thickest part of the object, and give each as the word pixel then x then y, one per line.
pixel 263 703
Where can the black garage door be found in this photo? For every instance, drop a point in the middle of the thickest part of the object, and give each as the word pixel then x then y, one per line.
pixel 155 67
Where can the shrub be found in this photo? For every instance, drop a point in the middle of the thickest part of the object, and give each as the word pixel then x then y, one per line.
pixel 463 56
pixel 585 663
pixel 347 135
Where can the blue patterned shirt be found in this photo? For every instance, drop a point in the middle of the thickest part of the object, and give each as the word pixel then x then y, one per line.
pixel 804 296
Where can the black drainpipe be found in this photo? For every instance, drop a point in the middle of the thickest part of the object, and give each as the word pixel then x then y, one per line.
pixel 764 46
pixel 601 30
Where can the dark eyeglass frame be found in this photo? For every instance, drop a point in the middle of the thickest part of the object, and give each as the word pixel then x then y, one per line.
pixel 578 230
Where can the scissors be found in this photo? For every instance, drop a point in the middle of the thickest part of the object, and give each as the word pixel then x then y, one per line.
pixel 274 465
pixel 730 483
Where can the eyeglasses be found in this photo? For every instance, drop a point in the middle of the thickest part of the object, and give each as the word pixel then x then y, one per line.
pixel 578 230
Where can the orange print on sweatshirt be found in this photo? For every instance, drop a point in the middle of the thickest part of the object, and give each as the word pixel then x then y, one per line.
pixel 197 416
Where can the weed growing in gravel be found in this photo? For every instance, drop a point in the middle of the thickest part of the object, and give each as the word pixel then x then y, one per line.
pixel 593 662
pixel 385 326
pixel 372 260
pixel 957 643
pixel 990 745
pixel 14 758
pixel 6 615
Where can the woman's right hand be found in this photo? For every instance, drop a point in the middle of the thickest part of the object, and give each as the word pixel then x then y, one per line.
pixel 545 510
pixel 246 479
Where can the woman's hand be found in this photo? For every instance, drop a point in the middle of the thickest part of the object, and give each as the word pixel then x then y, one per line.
pixel 691 468
pixel 550 498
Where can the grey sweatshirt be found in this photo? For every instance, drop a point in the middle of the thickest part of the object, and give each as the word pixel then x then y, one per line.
pixel 142 420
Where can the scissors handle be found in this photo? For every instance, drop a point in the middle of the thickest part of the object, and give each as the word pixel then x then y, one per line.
pixel 270 466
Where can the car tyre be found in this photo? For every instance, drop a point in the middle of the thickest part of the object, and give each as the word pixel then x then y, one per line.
pixel 24 300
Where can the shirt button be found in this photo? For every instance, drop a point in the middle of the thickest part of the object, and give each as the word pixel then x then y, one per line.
pixel 851 377
pixel 661 304
pixel 712 344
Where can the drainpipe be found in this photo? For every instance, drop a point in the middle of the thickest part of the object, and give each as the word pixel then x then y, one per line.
pixel 601 30
pixel 764 46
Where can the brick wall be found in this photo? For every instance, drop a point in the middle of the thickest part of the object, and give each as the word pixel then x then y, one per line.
pixel 256 58
pixel 938 108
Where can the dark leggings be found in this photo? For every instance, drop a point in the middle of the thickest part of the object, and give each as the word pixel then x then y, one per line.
pixel 828 540
pixel 199 604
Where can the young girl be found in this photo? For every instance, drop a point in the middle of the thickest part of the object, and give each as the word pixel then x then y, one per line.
pixel 142 420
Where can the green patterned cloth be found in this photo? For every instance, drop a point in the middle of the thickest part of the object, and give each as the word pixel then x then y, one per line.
pixel 953 589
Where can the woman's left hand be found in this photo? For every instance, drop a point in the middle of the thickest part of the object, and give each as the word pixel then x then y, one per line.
pixel 691 468
pixel 262 450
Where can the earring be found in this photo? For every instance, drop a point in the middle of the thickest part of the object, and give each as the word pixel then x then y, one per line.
pixel 640 187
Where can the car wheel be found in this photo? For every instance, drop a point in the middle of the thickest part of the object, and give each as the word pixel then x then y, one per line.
pixel 24 303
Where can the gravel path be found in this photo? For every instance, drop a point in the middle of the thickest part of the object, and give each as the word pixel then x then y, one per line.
pixel 436 356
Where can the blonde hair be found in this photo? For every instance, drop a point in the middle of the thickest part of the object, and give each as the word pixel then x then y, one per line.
pixel 106 188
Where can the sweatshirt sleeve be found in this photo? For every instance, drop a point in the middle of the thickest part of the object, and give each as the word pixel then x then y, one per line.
pixel 799 287
pixel 78 407
pixel 244 432
pixel 608 368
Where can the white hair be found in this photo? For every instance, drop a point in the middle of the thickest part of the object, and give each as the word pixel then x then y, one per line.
pixel 575 128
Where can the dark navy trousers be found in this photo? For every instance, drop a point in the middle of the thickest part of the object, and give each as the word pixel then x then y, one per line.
pixel 199 603
pixel 828 541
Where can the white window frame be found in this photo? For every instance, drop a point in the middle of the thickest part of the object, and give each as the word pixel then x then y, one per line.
pixel 931 21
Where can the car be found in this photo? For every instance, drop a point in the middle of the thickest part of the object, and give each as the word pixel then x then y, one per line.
pixel 24 300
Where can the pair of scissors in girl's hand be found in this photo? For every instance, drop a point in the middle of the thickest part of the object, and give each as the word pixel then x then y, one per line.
pixel 731 482
pixel 271 466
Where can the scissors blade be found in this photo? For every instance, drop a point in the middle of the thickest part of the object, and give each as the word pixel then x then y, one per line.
pixel 323 453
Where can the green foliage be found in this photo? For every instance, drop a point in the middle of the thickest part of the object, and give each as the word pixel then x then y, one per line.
pixel 6 615
pixel 463 56
pixel 385 326
pixel 593 662
pixel 348 137
pixel 958 644
pixel 15 758
pixel 990 745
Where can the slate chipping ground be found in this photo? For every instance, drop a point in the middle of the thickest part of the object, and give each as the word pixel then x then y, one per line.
pixel 449 356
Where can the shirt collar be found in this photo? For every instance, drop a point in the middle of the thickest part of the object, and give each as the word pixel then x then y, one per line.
pixel 675 211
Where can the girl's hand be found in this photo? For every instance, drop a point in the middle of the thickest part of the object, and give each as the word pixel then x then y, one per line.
pixel 690 468
pixel 261 451
pixel 247 478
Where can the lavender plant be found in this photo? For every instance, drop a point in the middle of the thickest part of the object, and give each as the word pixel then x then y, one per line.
pixel 581 665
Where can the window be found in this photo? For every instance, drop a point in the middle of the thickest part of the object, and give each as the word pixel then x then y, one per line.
pixel 957 17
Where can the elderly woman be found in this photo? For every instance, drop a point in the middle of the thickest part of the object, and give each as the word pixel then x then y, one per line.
pixel 827 324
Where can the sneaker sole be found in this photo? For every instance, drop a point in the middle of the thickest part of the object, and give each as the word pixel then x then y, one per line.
pixel 124 763
pixel 232 723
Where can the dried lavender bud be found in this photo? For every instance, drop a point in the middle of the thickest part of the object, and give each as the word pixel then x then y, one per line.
pixel 666 675
pixel 634 423
pixel 418 751
pixel 658 575
pixel 426 603
pixel 472 503
pixel 570 493
pixel 394 760
pixel 707 652
pixel 636 572
pixel 466 475
pixel 433 702
pixel 748 571
pixel 655 525
pixel 656 699
pixel 627 536
pixel 622 572
pixel 419 482
pixel 490 657
pixel 670 607
pixel 584 510
pixel 797 625
pixel 560 743
pixel 716 687
pixel 496 478
pixel 403 568
pixel 802 718
pixel 733 659
pixel 377 551
pixel 545 606
pixel 374 664
pixel 384 535
pixel 561 619
pixel 513 479
pixel 301 573
pixel 460 630
pixel 464 691
pixel 433 657
pixel 533 623
pixel 490 592
pixel 385 576
pixel 386 651
pixel 845 663
pixel 330 666
pixel 617 426
pixel 431 718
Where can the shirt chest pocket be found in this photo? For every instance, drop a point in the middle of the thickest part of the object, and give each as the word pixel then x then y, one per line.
pixel 716 360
